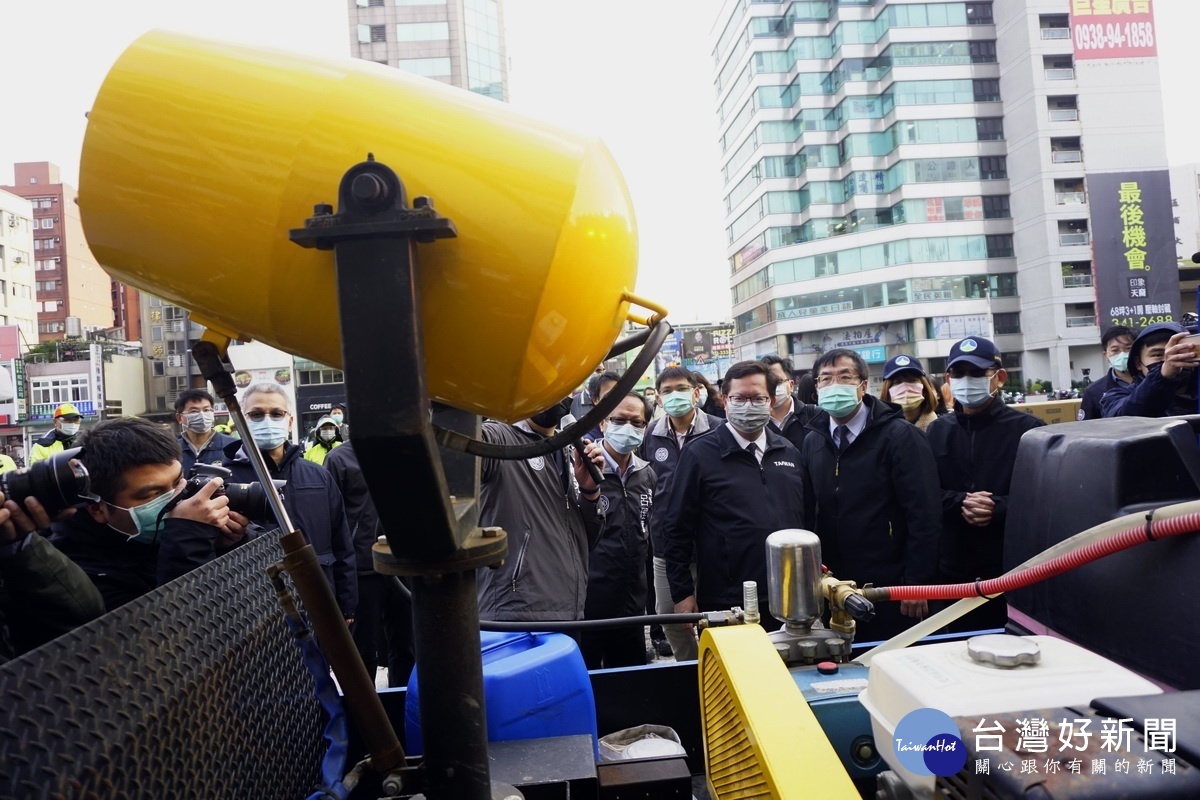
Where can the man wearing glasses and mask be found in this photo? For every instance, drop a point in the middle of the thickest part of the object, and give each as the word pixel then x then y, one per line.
pixel 732 488
pixel 871 491
pixel 311 499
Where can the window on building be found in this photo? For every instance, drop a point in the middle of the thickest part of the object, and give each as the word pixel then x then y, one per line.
pixel 1054 26
pixel 155 302
pixel 314 377
pixel 158 368
pixel 979 14
pixel 48 222
pixel 175 385
pixel 982 52
pixel 422 31
pixel 156 333
pixel 1063 108
pixel 51 306
pixel 1000 246
pixel 993 168
pixel 176 347
pixel 60 389
pixel 426 67
pixel 372 33
pixel 989 129
pixel 420 2
pixel 995 206
pixel 987 90
pixel 369 3
pixel 174 312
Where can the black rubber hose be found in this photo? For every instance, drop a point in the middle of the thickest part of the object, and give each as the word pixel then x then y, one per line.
pixel 454 440
pixel 570 626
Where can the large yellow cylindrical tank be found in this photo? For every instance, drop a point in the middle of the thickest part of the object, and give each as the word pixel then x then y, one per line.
pixel 200 156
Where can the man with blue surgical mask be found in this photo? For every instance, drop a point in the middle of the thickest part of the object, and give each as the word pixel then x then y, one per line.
pixel 617 564
pixel 870 490
pixel 198 440
pixel 679 395
pixel 1116 343
pixel 311 499
pixel 733 488
pixel 130 539
pixel 976 449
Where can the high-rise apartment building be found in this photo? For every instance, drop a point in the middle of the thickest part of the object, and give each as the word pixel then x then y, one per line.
pixel 460 42
pixel 17 229
pixel 900 175
pixel 69 282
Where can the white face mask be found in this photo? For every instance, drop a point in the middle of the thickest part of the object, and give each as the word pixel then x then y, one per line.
pixel 70 428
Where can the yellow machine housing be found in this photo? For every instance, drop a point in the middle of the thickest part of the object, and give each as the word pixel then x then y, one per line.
pixel 200 156
pixel 760 737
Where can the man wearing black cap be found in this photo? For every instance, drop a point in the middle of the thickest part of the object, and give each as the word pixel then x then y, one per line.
pixel 1163 366
pixel 975 449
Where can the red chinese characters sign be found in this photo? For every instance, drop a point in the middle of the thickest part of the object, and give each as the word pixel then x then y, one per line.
pixel 1113 29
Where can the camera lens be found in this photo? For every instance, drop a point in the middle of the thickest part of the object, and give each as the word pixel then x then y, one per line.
pixel 55 482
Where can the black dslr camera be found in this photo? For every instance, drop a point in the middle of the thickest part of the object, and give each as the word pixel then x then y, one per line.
pixel 247 499
pixel 55 482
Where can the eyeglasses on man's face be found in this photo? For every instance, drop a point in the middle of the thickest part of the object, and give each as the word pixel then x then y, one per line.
pixel 637 423
pixel 743 400
pixel 275 414
pixel 844 377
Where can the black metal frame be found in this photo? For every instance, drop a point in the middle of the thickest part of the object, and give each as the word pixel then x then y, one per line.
pixel 430 535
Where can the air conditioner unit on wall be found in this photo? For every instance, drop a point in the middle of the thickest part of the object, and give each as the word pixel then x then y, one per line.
pixel 174 361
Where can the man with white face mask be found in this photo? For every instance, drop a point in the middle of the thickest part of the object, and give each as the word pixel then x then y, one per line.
pixel 733 487
pixel 67 420
pixel 789 416
pixel 199 442
pixel 975 449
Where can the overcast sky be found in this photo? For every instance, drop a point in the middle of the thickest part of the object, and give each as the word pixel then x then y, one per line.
pixel 636 72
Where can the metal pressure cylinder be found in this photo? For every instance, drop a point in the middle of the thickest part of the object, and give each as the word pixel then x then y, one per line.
pixel 794 576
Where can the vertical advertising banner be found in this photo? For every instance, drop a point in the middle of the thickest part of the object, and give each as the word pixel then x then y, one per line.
pixel 1133 248
pixel 1113 29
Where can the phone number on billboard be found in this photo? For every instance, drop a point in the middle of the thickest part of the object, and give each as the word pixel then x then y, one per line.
pixel 1141 322
pixel 1113 35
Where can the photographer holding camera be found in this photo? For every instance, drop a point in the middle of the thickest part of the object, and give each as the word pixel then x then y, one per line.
pixel 131 538
pixel 43 594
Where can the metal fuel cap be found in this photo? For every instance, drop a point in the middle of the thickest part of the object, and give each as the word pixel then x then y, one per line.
pixel 1003 650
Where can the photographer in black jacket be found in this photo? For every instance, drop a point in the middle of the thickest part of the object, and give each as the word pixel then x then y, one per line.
pixel 123 540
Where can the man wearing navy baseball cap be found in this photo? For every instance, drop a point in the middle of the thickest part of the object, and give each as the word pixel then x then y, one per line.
pixel 1163 363
pixel 975 449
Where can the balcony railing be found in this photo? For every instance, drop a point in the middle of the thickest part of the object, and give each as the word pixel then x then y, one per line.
pixel 1081 322
pixel 1056 33
pixel 1066 156
pixel 1070 198
pixel 1077 281
pixel 1064 115
pixel 46 410
pixel 1074 239
pixel 1060 74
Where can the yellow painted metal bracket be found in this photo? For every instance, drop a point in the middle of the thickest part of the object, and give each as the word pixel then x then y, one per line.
pixel 760 737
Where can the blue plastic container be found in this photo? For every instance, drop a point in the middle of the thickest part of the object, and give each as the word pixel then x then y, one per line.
pixel 534 685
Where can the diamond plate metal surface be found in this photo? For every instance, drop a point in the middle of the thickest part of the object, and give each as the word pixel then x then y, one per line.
pixel 195 690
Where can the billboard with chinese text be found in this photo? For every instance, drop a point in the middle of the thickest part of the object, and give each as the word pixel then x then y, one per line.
pixel 1113 29
pixel 1133 248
